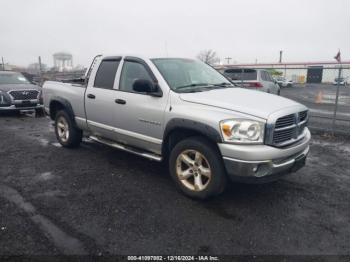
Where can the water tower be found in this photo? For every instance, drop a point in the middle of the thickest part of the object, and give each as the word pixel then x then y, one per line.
pixel 63 61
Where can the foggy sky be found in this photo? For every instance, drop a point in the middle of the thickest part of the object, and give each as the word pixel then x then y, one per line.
pixel 306 30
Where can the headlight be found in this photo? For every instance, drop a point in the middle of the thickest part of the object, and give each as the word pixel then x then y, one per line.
pixel 242 131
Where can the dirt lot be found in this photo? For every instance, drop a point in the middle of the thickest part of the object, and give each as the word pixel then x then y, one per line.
pixel 97 200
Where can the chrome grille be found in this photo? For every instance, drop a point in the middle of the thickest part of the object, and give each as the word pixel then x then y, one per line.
pixel 24 94
pixel 283 135
pixel 285 121
pixel 289 129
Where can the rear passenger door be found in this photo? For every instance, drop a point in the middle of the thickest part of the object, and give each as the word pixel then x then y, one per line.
pixel 99 99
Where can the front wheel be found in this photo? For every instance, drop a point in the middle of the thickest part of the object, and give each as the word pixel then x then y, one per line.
pixel 67 134
pixel 197 168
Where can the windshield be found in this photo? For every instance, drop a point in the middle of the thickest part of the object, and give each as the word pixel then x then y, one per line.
pixel 11 78
pixel 189 74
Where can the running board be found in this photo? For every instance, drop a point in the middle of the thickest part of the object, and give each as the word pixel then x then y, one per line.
pixel 127 148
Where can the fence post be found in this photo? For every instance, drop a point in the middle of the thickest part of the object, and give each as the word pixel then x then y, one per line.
pixel 336 100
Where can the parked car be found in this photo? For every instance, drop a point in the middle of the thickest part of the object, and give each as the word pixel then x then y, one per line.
pixel 342 81
pixel 17 93
pixel 185 112
pixel 257 79
pixel 284 82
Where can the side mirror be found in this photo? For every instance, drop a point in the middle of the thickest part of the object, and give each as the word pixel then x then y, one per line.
pixel 146 86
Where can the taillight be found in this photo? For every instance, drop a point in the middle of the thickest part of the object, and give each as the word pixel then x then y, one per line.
pixel 255 84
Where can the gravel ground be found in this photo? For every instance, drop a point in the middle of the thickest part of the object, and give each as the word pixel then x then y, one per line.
pixel 97 200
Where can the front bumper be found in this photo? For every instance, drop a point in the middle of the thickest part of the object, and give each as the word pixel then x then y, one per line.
pixel 17 107
pixel 262 163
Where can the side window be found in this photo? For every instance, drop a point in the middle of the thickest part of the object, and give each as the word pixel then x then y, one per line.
pixel 269 78
pixel 264 76
pixel 106 74
pixel 131 72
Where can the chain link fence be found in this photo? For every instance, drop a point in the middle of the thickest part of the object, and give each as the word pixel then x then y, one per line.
pixel 326 92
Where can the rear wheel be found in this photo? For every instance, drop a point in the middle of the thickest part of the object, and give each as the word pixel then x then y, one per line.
pixel 197 168
pixel 67 134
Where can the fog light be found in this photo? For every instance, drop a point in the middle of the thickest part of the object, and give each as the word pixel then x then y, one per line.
pixel 255 168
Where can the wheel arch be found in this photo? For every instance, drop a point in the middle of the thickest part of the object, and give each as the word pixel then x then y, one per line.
pixel 178 129
pixel 57 104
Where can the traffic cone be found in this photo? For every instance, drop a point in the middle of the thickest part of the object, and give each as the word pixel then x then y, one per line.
pixel 319 97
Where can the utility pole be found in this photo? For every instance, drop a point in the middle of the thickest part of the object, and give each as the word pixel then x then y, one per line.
pixel 336 100
pixel 3 65
pixel 338 58
pixel 281 52
pixel 228 59
pixel 40 70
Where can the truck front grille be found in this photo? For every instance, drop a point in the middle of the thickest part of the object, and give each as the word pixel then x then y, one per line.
pixel 24 94
pixel 289 129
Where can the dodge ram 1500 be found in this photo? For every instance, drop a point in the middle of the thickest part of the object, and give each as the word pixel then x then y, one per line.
pixel 186 113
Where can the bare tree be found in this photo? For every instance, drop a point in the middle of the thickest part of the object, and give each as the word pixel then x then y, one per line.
pixel 208 56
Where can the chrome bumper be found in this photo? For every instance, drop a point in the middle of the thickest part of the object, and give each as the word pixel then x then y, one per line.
pixel 263 171
pixel 262 163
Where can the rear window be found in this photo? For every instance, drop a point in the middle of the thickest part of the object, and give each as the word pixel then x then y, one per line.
pixel 241 74
pixel 106 74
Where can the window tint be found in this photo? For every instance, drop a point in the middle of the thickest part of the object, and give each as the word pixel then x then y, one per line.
pixel 131 72
pixel 106 74
pixel 239 74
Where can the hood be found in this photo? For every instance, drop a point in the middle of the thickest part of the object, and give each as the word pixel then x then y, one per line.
pixel 241 100
pixel 8 87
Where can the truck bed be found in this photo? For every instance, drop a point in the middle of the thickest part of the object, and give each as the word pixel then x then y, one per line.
pixel 72 93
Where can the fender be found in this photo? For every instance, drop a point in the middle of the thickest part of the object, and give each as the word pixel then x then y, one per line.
pixel 66 104
pixel 199 127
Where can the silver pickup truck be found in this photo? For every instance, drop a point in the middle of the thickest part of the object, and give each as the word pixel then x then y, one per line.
pixel 186 113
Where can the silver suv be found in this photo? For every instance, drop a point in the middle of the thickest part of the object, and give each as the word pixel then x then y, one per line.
pixel 186 113
pixel 257 79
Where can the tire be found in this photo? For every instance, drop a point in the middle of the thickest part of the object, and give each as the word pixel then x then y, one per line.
pixel 194 183
pixel 64 123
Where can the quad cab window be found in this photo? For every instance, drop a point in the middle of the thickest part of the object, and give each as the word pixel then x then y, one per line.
pixel 106 73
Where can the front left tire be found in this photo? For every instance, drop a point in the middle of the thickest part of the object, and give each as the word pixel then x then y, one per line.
pixel 197 168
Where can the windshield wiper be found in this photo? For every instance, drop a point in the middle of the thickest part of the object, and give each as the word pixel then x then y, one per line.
pixel 192 85
pixel 223 84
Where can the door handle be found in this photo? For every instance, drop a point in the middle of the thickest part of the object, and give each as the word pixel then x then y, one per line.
pixel 91 96
pixel 120 101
